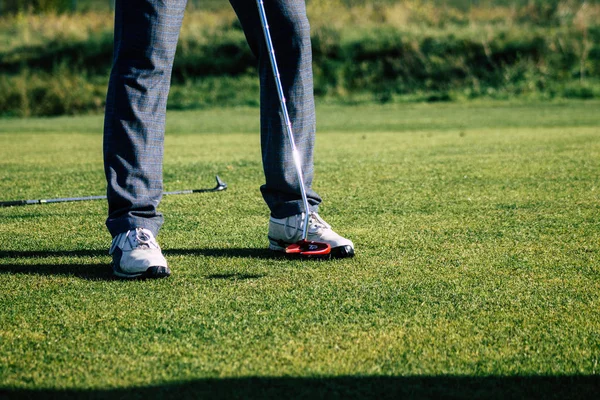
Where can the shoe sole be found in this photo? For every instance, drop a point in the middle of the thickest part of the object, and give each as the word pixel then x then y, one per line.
pixel 336 252
pixel 150 273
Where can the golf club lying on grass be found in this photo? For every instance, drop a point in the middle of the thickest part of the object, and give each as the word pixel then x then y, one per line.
pixel 220 187
pixel 304 247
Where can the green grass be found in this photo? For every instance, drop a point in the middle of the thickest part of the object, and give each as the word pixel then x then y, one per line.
pixel 476 275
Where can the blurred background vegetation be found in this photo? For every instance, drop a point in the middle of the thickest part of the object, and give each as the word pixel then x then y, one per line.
pixel 55 55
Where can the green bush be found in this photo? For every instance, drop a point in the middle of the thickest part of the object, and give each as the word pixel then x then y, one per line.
pixel 61 67
pixel 11 6
pixel 43 94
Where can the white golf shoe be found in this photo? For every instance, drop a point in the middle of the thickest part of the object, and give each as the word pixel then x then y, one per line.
pixel 136 254
pixel 286 231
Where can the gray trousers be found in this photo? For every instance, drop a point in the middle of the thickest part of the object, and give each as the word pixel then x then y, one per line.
pixel 146 35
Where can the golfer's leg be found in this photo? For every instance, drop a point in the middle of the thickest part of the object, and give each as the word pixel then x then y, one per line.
pixel 146 34
pixel 290 33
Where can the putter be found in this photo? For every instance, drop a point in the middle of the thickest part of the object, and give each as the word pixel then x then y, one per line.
pixel 303 247
pixel 220 187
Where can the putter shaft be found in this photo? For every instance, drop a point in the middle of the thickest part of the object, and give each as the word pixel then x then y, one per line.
pixel 284 110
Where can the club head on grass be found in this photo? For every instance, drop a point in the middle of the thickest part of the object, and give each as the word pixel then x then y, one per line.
pixel 309 249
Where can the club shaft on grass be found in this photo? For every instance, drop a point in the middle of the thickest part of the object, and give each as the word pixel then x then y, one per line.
pixel 220 187
pixel 284 110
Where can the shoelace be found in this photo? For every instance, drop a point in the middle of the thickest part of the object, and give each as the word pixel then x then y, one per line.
pixel 314 224
pixel 140 239
pixel 136 239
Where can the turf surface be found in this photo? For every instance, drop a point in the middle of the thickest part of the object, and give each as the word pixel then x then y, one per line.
pixel 476 275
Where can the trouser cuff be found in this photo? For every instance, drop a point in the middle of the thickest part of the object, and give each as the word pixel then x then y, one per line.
pixel 117 226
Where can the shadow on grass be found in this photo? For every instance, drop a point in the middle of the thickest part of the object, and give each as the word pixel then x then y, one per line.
pixel 52 253
pixel 410 387
pixel 95 272
pixel 90 271
pixel 226 253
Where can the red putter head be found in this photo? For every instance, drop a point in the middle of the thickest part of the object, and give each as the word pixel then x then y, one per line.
pixel 309 249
